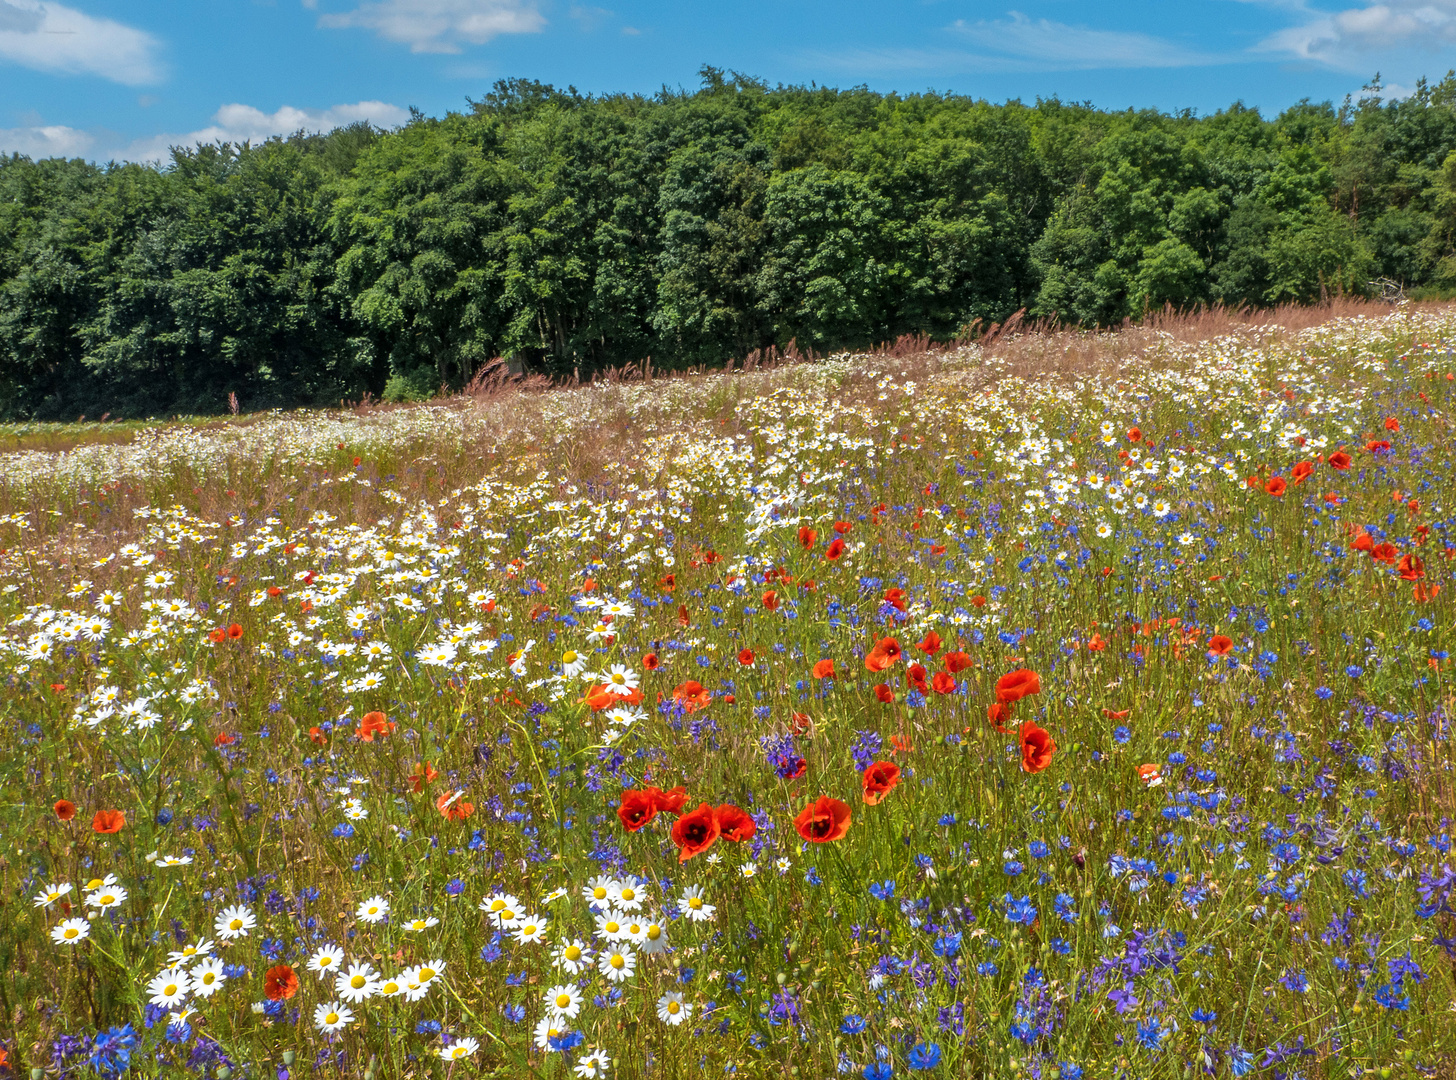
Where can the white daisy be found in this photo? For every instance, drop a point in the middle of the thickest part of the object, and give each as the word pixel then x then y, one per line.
pixel 628 894
pixel 618 964
pixel 106 898
pixel 460 1049
pixel 563 1002
pixel 327 960
pixel 170 988
pixel 50 894
pixel 208 977
pixel 373 910
pixel 593 1066
pixel 692 905
pixel 234 922
pixel 359 983
pixel 71 932
pixel 654 940
pixel 572 957
pixel 531 930
pixel 415 926
pixel 672 1009
pixel 333 1016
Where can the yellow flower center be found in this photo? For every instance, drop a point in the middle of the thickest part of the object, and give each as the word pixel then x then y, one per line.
pixel 563 1000
pixel 568 658
pixel 654 932
pixel 572 953
pixel 325 961
pixel 235 924
pixel 508 916
pixel 619 962
pixel 612 928
pixel 629 894
pixel 599 893
pixel 673 1007
pixel 170 989
pixel 72 932
pixel 208 978
pixel 426 974
pixel 530 930
pixel 108 899
pixel 357 982
pixel 390 987
pixel 696 904
pixel 332 1018
pixel 497 905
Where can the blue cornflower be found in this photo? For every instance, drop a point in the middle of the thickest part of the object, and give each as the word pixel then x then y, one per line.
pixel 947 946
pixel 1012 868
pixel 853 1024
pixel 514 1013
pixel 1020 911
pixel 878 1070
pixel 1354 671
pixel 986 967
pixel 1151 1034
pixel 1038 850
pixel 924 1056
pixel 883 891
pixel 1121 733
pixel 1324 693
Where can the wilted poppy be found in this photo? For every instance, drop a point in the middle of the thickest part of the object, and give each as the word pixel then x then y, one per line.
pixel 1037 747
pixel 636 809
pixel 930 644
pixel 824 669
pixel 695 833
pixel 943 683
pixel 1015 685
pixel 1392 424
pixel 734 823
pixel 823 820
pixel 879 780
pixel 423 774
pixel 65 809
pixel 1218 645
pixel 999 716
pixel 108 821
pixel 1117 714
pixel 280 983
pixel 1385 553
pixel 667 583
pixel 1338 460
pixel 956 661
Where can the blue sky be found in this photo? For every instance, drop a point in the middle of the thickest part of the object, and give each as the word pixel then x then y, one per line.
pixel 127 78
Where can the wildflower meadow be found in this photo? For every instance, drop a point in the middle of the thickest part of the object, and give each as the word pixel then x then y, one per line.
pixel 946 712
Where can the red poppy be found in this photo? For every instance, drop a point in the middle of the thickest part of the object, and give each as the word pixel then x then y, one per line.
pixel 999 716
pixel 1375 446
pixel 915 676
pixel 1219 645
pixel 885 652
pixel 823 820
pixel 1363 541
pixel 834 550
pixel 692 696
pixel 274 592
pixel 842 527
pixel 453 807
pixel 1302 471
pixel 1134 435
pixel 108 821
pixel 1385 553
pixel 885 694
pixel 1150 774
pixel 1015 685
pixel 1037 747
pixel 734 823
pixel 280 983
pixel 771 600
pixel 943 683
pixel 895 598
pixel 217 634
pixel 1392 424
pixel 807 538
pixel 879 780
pixel 65 809
pixel 1338 460
pixel 637 808
pixel 1425 594
pixel 374 723
pixel 235 631
pixel 423 774
pixel 682 616
pixel 651 662
pixel 1117 714
pixel 956 661
pixel 316 735
pixel 824 669
pixel 695 833
pixel 930 644
pixel 978 600
pixel 670 801
pixel 745 657
pixel 222 738
pixel 1412 567
pixel 1276 486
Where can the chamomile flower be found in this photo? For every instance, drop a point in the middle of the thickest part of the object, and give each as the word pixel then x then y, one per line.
pixel 333 1016
pixel 188 953
pixel 571 957
pixel 373 910
pixel 418 980
pixel 693 906
pixel 500 905
pixel 620 680
pixel 672 1009
pixel 598 891
pixel 50 894
pixel 628 894
pixel 234 922
pixel 359 983
pixel 460 1049
pixel 562 1002
pixel 170 988
pixel 593 1066
pixel 572 664
pixel 389 987
pixel 326 960
pixel 617 964
pixel 548 1029
pixel 553 896
pixel 106 898
pixel 749 869
pixel 71 932
pixel 609 925
pixel 653 940
pixel 531 930
pixel 174 860
pixel 416 926
pixel 208 977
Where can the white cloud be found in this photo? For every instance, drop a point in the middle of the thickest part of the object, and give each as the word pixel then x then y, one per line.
pixel 44 141
pixel 51 37
pixel 1347 38
pixel 244 123
pixel 1048 45
pixel 441 26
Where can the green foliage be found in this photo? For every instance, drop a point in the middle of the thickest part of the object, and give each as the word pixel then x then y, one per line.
pixel 580 233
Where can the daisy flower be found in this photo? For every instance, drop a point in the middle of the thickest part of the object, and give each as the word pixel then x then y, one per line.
pixel 592 1066
pixel 332 1017
pixel 327 960
pixel 460 1049
pixel 359 983
pixel 190 952
pixel 692 905
pixel 618 965
pixel 654 940
pixel 553 896
pixel 572 664
pixel 598 891
pixel 104 899
pixel 415 926
pixel 50 894
pixel 563 1002
pixel 628 895
pixel 572 957
pixel 390 987
pixel 609 925
pixel 234 922
pixel 498 904
pixel 169 988
pixel 71 932
pixel 531 930
pixel 373 910
pixel 672 1009
pixel 208 977
pixel 547 1030
pixel 620 680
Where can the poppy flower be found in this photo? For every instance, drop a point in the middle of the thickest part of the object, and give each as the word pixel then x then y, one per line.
pixel 771 600
pixel 885 694
pixel 1378 446
pixel 842 527
pixel 823 820
pixel 1015 685
pixel 1117 714
pixel 930 644
pixel 670 801
pixel 807 538
pixel 1097 644
pixel 695 833
pixel 824 669
pixel 280 983
pixel 1134 435
pixel 1302 472
pixel 682 616
pixel 1392 424
pixel 234 632
pixel 879 780
pixel 999 716
pixel 222 738
pixel 1219 645
pixel 423 774
pixel 978 600
pixel 1338 460
pixel 1412 567
pixel 834 550
pixel 1037 747
pixel 1276 486
pixel 1150 774
pixel 316 735
pixel 915 676
pixel 895 598
pixel 734 823
pixel 108 821
pixel 886 651
pixel 374 723
pixel 1385 553
pixel 943 683
pixel 65 809
pixel 745 657
pixel 217 634
pixel 1363 541
pixel 956 661
pixel 1425 594
pixel 651 662
pixel 636 809
pixel 453 807
pixel 692 696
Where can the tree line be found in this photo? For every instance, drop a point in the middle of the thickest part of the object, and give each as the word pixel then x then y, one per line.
pixel 576 232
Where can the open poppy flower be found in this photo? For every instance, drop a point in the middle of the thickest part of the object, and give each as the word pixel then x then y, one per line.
pixel 692 696
pixel 999 716
pixel 834 550
pixel 956 662
pixel 1302 471
pixel 696 832
pixel 824 820
pixel 1392 424
pixel 745 657
pixel 670 801
pixel 1338 460
pixel 1015 685
pixel 895 598
pixel 1037 747
pixel 770 600
pixel 108 821
pixel 807 538
pixel 879 780
pixel 374 723
pixel 943 682
pixel 64 809
pixel 885 652
pixel 824 669
pixel 1276 486
pixel 1411 567
pixel 930 644
pixel 734 823
pixel 636 810
pixel 1219 645
pixel 842 527
pixel 1385 553
pixel 280 983
pixel 915 676
pixel 884 694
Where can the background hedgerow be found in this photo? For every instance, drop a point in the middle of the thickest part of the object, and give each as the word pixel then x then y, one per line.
pixel 1061 705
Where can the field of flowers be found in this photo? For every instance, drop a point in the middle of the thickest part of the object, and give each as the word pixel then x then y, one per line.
pixel 890 715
